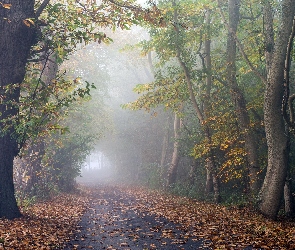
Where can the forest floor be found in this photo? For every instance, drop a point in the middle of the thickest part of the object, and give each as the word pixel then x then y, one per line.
pixel 115 217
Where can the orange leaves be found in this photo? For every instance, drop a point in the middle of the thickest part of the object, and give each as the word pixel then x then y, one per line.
pixel 49 224
pixel 220 227
pixel 46 225
pixel 29 22
pixel 5 5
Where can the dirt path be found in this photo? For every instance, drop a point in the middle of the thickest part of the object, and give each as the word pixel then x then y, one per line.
pixel 117 220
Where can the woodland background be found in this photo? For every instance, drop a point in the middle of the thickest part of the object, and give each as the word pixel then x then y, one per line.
pixel 215 77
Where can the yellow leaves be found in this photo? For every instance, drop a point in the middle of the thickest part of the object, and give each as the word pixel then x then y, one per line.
pixel 77 80
pixel 29 22
pixel 79 10
pixel 223 146
pixel 26 178
pixel 5 5
pixel 234 165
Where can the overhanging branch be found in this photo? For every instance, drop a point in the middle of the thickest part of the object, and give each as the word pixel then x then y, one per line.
pixel 41 8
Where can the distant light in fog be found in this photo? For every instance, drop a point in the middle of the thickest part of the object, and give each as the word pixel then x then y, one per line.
pixel 96 160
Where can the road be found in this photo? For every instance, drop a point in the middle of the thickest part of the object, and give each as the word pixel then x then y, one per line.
pixel 117 220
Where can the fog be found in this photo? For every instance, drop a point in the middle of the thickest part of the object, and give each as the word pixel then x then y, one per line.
pixel 128 139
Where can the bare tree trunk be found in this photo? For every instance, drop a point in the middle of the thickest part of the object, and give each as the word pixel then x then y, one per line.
pixel 172 171
pixel 209 180
pixel 208 67
pixel 165 142
pixel 50 69
pixel 271 192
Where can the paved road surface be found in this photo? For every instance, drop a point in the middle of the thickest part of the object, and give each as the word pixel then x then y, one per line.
pixel 114 222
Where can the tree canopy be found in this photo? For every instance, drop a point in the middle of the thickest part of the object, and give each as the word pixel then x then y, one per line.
pixel 215 75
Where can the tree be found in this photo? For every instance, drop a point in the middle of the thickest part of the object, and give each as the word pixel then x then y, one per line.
pixel 20 30
pixel 172 170
pixel 238 96
pixel 276 98
pixel 170 45
pixel 277 140
pixel 15 43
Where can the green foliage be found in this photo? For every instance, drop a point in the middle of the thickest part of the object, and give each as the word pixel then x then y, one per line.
pixel 235 199
pixel 151 175
pixel 188 190
pixel 25 201
pixel 42 105
pixel 181 34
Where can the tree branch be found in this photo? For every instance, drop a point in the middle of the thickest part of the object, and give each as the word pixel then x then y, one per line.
pixel 126 6
pixel 41 58
pixel 41 8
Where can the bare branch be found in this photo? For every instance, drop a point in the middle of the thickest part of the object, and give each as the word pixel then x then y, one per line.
pixel 41 8
pixel 252 18
pixel 217 78
pixel 131 7
pixel 41 58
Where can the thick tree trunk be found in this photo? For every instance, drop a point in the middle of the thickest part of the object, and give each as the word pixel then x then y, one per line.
pixel 8 205
pixel 271 193
pixel 15 42
pixel 238 97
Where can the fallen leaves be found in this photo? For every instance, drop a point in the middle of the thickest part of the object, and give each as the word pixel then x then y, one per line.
pixel 220 227
pixel 46 225
pixel 49 225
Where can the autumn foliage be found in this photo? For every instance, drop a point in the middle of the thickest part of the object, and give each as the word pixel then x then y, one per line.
pixel 45 225
pixel 51 224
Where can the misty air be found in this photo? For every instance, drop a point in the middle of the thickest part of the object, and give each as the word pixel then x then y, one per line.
pixel 140 125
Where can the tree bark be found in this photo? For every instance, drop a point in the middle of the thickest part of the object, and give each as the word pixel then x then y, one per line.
pixel 271 193
pixel 172 171
pixel 268 34
pixel 288 198
pixel 165 142
pixel 15 43
pixel 208 67
pixel 238 97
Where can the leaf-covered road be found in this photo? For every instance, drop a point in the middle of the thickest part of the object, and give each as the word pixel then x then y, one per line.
pixel 136 218
pixel 119 220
